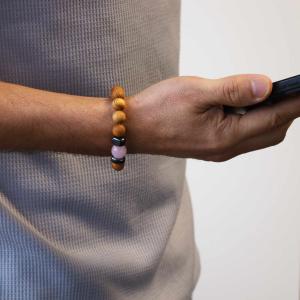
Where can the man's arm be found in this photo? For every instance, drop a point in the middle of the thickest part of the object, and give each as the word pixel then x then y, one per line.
pixel 32 119
pixel 180 117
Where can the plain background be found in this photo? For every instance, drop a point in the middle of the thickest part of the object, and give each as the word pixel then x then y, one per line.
pixel 246 209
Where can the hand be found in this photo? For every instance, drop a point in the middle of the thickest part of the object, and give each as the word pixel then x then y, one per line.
pixel 184 117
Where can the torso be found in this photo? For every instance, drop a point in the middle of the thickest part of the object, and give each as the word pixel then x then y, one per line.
pixel 79 230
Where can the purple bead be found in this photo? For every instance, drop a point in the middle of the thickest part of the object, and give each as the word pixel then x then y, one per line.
pixel 118 151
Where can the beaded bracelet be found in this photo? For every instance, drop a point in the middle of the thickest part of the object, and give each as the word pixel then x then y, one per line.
pixel 118 150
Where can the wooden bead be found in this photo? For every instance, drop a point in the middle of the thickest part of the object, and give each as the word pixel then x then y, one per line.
pixel 117 167
pixel 119 130
pixel 117 92
pixel 119 104
pixel 118 117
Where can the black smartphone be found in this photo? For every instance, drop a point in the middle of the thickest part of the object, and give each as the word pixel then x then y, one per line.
pixel 281 89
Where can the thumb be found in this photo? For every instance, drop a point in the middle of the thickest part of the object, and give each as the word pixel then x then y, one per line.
pixel 237 90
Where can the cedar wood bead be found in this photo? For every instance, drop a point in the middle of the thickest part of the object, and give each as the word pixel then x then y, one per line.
pixel 119 130
pixel 117 167
pixel 117 92
pixel 118 117
pixel 119 104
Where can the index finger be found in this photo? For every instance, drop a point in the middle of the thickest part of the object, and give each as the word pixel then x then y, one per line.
pixel 264 119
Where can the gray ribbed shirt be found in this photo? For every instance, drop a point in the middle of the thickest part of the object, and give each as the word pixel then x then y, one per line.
pixel 71 228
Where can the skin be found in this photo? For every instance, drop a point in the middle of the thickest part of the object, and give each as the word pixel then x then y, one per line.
pixel 179 116
pixel 38 120
pixel 183 117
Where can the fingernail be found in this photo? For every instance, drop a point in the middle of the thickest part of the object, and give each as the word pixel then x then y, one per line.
pixel 260 88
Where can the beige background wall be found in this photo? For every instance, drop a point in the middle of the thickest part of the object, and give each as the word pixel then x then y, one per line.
pixel 247 209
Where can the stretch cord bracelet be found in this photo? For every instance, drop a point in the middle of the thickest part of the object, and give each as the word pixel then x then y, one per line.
pixel 118 150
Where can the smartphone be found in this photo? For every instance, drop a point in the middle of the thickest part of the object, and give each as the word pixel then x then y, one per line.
pixel 281 89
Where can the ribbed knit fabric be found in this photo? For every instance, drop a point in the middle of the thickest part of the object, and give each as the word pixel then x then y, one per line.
pixel 71 228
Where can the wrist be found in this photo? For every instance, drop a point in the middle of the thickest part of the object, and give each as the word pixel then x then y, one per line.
pixel 100 123
pixel 138 127
pixel 133 126
pixel 140 137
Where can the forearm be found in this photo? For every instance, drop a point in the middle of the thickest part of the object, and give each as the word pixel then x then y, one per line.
pixel 38 120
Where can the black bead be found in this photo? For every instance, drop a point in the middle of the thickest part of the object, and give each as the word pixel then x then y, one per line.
pixel 117 161
pixel 118 141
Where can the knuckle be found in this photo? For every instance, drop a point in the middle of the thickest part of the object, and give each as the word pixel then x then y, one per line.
pixel 231 90
pixel 215 145
pixel 226 134
pixel 282 137
pixel 275 120
pixel 222 138
pixel 212 147
pixel 218 145
pixel 217 159
pixel 279 139
pixel 220 158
